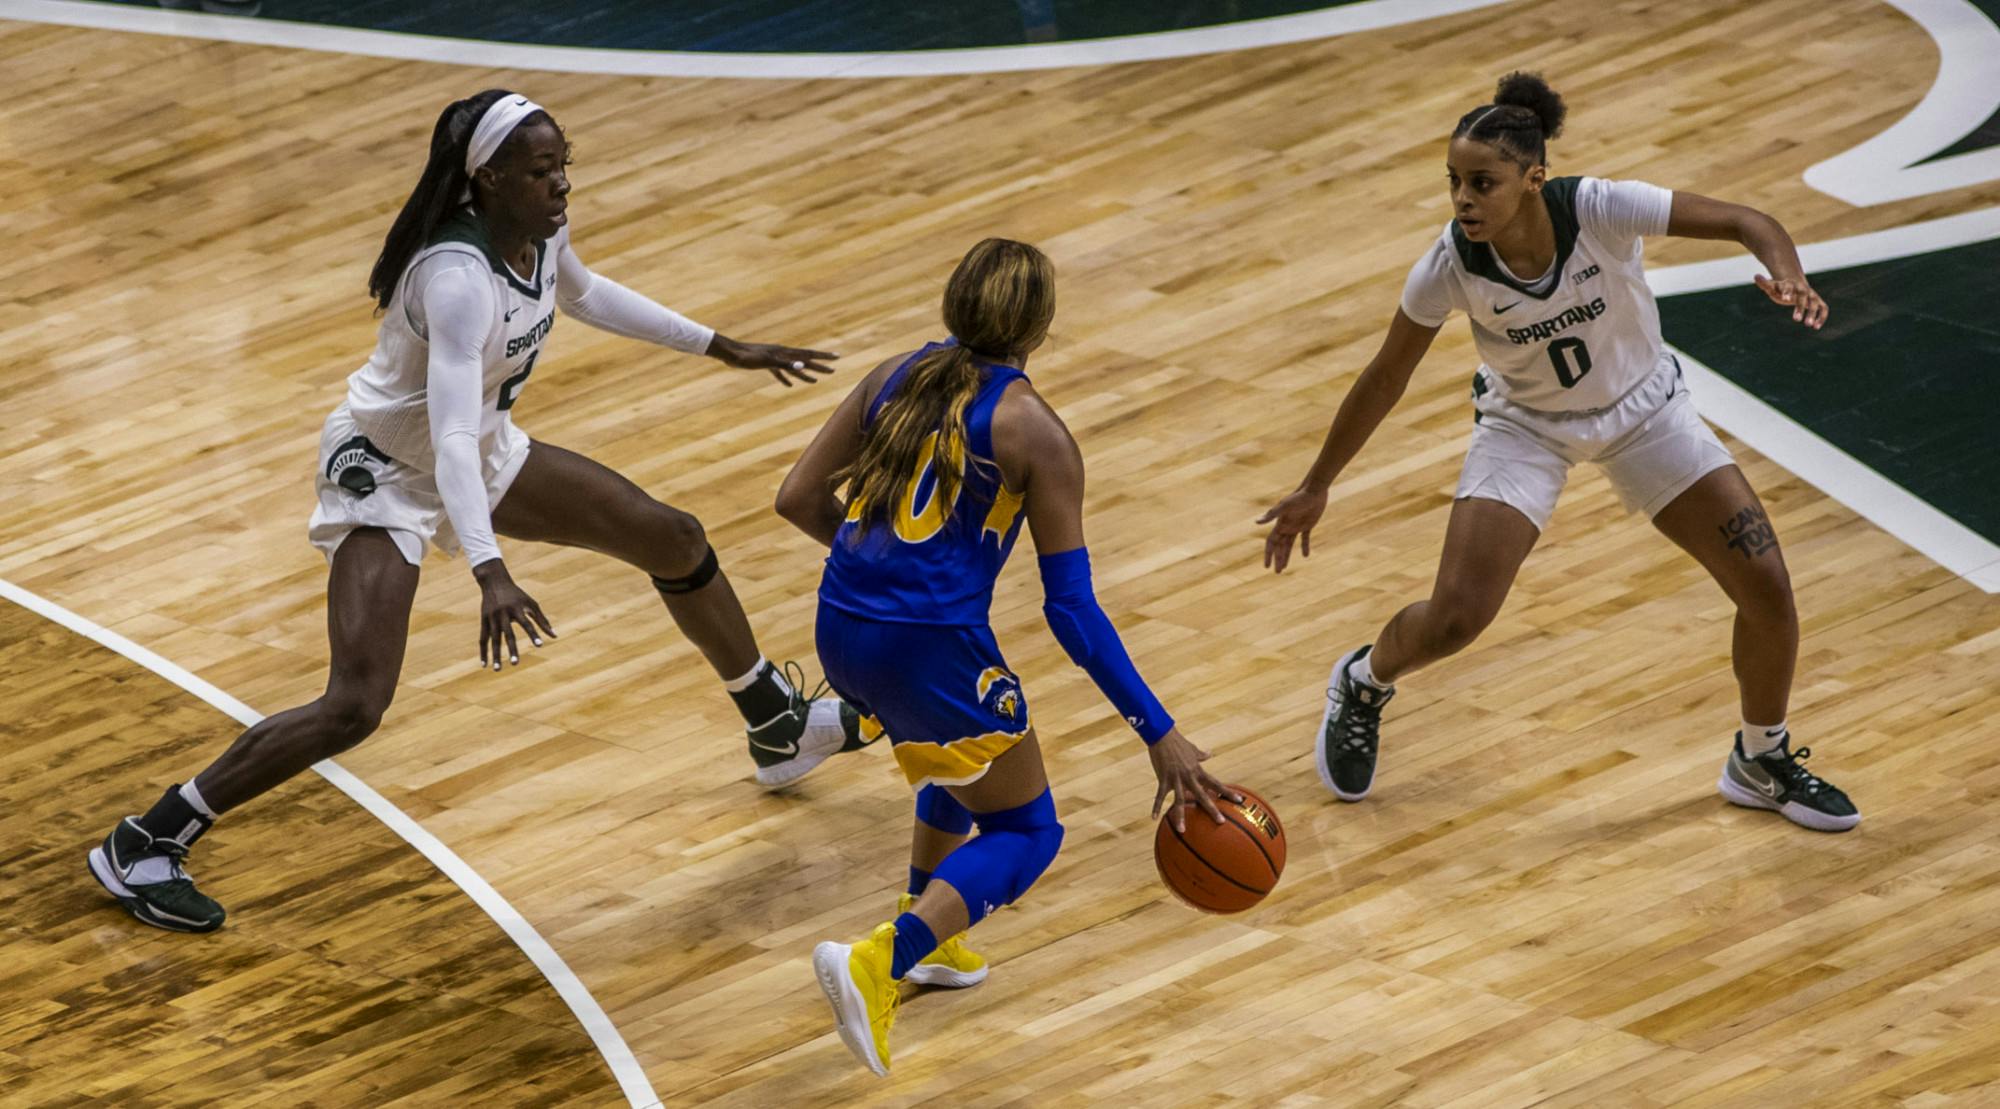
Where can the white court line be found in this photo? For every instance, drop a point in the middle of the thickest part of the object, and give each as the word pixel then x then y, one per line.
pixel 1834 254
pixel 1966 92
pixel 1366 16
pixel 1828 468
pixel 631 1079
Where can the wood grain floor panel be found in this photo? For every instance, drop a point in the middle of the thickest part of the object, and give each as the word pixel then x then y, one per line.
pixel 1543 903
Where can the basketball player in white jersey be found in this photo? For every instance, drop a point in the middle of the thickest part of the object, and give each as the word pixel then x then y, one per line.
pixel 424 452
pixel 1548 272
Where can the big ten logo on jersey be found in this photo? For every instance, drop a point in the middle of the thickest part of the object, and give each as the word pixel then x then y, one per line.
pixel 920 515
pixel 1000 695
pixel 1586 275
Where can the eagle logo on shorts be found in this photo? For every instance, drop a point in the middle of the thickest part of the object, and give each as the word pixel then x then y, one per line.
pixel 1000 694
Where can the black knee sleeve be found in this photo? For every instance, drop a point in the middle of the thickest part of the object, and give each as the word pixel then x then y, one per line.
pixel 702 575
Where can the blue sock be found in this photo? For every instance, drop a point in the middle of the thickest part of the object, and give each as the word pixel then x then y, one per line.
pixel 913 942
pixel 918 880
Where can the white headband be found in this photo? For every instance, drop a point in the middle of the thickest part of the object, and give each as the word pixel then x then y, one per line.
pixel 498 121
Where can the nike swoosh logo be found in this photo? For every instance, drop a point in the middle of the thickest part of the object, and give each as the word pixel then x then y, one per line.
pixel 1768 788
pixel 1497 309
pixel 791 748
pixel 509 313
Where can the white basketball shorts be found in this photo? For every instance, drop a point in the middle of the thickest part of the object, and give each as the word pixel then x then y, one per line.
pixel 360 487
pixel 1652 444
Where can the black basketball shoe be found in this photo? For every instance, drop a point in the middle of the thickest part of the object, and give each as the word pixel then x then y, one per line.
pixel 1778 780
pixel 1349 730
pixel 144 873
pixel 813 729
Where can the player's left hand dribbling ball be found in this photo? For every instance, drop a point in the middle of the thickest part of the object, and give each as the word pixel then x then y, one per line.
pixel 1227 867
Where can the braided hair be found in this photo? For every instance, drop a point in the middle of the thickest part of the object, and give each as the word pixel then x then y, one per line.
pixel 1524 115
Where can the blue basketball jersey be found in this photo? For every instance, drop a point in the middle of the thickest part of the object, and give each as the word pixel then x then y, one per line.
pixel 917 567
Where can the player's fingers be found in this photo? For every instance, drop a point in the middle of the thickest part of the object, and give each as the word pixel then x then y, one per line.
pixel 1202 797
pixel 1306 543
pixel 513 651
pixel 493 640
pixel 548 629
pixel 484 627
pixel 1220 790
pixel 813 365
pixel 1159 797
pixel 780 375
pixel 1270 514
pixel 520 616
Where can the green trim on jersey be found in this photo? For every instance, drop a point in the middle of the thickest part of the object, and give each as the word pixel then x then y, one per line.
pixel 465 226
pixel 1559 193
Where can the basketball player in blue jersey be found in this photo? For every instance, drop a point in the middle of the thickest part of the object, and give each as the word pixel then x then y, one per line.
pixel 1548 270
pixel 424 452
pixel 944 452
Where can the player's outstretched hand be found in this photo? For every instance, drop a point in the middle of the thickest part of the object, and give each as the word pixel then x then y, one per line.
pixel 1794 293
pixel 1292 518
pixel 784 363
pixel 1177 764
pixel 502 605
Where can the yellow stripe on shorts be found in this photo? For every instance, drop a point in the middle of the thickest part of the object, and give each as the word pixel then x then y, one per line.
pixel 957 763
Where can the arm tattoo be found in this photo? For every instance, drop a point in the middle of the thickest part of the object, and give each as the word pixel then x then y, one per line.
pixel 1750 531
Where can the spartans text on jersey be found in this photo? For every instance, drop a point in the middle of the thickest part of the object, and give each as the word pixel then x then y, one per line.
pixel 1568 318
pixel 534 335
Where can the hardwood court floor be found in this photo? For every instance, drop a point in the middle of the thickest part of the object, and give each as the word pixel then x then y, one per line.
pixel 1543 902
pixel 361 950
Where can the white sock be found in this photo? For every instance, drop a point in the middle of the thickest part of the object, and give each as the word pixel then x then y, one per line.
pixel 1762 739
pixel 193 797
pixel 1361 672
pixel 738 685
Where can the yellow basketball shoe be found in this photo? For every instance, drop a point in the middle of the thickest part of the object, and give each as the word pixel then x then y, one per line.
pixel 953 964
pixel 864 998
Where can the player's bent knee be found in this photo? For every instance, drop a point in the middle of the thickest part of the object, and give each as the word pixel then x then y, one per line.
pixel 1037 825
pixel 680 539
pixel 346 721
pixel 1453 624
pixel 1768 600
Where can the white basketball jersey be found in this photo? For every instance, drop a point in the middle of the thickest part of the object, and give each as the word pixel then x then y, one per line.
pixel 387 397
pixel 1583 335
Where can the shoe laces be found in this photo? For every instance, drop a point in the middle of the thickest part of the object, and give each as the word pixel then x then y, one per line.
pixel 172 850
pixel 1789 766
pixel 795 676
pixel 1359 720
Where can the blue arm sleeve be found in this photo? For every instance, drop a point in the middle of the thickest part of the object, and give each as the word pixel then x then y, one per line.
pixel 1086 633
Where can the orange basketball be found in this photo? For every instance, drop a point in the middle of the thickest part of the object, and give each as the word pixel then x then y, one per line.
pixel 1227 867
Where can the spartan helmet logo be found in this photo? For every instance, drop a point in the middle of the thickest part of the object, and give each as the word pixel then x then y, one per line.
pixel 1000 694
pixel 354 465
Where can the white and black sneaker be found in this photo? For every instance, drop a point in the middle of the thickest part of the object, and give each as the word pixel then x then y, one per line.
pixel 1349 730
pixel 1778 780
pixel 143 872
pixel 813 729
